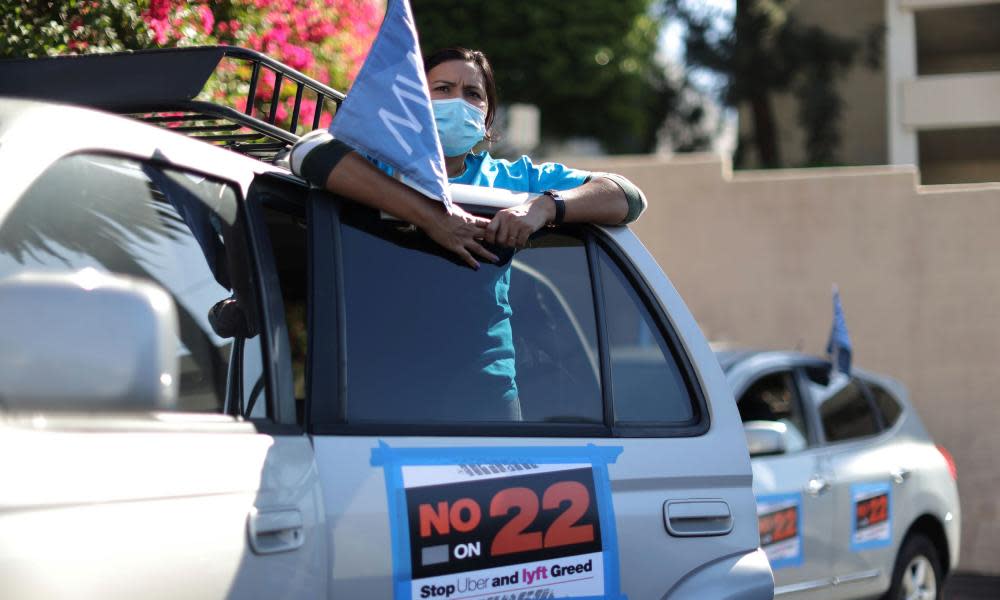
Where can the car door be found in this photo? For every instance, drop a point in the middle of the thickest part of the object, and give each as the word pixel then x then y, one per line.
pixel 613 478
pixel 795 508
pixel 219 499
pixel 869 488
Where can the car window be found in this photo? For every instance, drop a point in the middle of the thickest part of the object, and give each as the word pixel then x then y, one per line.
pixel 775 397
pixel 886 404
pixel 166 226
pixel 847 414
pixel 431 341
pixel 646 379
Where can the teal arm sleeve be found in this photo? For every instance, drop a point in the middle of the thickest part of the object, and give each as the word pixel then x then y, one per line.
pixel 636 199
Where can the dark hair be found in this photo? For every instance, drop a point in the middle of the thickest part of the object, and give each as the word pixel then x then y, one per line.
pixel 479 59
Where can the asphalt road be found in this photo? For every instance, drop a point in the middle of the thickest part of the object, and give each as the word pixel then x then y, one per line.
pixel 965 586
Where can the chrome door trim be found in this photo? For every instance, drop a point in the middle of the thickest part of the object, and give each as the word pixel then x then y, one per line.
pixel 804 586
pixel 859 576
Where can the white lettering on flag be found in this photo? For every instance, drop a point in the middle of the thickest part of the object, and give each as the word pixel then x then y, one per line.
pixel 390 120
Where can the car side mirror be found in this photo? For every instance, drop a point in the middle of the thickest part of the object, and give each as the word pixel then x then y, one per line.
pixel 86 341
pixel 766 438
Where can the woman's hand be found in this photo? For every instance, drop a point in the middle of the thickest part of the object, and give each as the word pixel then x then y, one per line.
pixel 457 231
pixel 513 226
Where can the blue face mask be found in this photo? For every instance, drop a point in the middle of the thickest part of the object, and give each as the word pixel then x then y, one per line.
pixel 460 125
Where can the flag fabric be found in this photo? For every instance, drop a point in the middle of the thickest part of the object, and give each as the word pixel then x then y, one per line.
pixel 387 114
pixel 839 346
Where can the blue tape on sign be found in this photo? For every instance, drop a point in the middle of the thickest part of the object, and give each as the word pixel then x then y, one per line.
pixel 780 517
pixel 392 460
pixel 609 535
pixel 399 528
pixel 871 516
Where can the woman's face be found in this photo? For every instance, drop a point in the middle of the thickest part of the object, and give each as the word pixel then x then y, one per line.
pixel 458 79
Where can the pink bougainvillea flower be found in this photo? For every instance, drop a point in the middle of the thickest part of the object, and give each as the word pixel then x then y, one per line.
pixel 297 57
pixel 207 19
pixel 281 114
pixel 159 10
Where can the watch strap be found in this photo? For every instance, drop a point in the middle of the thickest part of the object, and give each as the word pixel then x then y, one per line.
pixel 560 206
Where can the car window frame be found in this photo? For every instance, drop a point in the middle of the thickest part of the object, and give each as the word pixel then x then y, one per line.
pixel 802 379
pixel 276 352
pixel 700 422
pixel 328 339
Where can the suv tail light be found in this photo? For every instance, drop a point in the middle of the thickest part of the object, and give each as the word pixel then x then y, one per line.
pixel 950 460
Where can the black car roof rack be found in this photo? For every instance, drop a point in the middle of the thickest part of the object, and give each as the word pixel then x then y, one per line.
pixel 161 86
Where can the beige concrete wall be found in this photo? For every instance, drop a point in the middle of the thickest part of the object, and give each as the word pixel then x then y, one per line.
pixel 754 255
pixel 949 101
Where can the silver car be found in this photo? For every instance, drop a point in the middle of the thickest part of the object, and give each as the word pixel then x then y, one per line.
pixel 294 417
pixel 854 499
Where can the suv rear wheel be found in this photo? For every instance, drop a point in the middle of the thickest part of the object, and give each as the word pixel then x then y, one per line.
pixel 917 574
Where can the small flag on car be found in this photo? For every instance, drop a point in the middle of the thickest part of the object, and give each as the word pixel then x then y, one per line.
pixel 387 114
pixel 839 346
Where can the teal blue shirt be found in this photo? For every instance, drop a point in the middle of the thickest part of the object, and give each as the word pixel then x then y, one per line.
pixel 521 175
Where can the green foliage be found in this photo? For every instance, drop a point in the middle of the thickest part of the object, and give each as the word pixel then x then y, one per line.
pixel 589 65
pixel 46 28
pixel 767 50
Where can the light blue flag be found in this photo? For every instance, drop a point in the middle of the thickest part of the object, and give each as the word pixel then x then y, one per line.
pixel 839 346
pixel 387 114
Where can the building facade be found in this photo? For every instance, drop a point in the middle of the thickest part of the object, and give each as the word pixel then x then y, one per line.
pixel 935 101
pixel 943 60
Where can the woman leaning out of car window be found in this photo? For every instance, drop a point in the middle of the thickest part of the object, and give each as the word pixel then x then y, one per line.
pixel 464 100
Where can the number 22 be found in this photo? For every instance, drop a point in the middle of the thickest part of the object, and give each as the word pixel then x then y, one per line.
pixel 564 530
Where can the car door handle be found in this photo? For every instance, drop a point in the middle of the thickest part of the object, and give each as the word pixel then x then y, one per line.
pixel 274 530
pixel 817 486
pixel 899 474
pixel 689 518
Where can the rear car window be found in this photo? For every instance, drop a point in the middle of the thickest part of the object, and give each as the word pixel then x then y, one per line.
pixel 847 414
pixel 646 379
pixel 886 404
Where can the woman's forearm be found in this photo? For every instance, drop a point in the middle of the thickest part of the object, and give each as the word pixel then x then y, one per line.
pixel 356 178
pixel 605 199
pixel 598 201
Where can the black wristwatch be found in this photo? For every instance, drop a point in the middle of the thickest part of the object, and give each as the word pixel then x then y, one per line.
pixel 560 206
